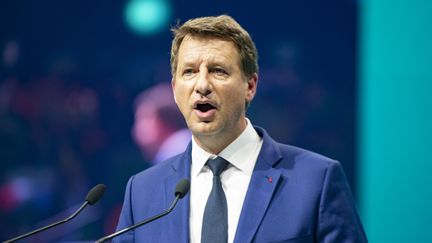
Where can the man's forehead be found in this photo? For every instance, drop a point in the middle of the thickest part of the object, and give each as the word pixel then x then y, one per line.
pixel 210 48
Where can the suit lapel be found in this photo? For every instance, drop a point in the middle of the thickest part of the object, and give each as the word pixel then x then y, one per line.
pixel 178 225
pixel 262 186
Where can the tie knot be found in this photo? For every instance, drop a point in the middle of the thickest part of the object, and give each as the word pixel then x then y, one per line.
pixel 217 165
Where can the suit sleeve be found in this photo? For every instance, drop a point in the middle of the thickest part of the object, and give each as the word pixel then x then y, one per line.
pixel 338 220
pixel 126 216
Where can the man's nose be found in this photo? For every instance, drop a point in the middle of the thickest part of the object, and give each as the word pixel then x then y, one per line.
pixel 203 85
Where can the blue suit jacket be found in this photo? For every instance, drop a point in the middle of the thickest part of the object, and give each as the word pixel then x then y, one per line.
pixel 294 196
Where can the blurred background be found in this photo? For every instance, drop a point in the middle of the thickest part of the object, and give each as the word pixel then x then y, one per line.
pixel 85 99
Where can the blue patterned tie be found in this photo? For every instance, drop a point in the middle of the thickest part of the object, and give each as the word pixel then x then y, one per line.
pixel 215 220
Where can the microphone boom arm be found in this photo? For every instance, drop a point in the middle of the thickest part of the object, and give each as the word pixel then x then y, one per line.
pixel 140 223
pixel 49 226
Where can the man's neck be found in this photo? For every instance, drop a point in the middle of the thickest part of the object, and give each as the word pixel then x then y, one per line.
pixel 214 144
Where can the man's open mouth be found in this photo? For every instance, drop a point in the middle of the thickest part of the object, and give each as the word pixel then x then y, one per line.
pixel 204 107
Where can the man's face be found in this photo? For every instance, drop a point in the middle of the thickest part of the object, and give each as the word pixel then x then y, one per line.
pixel 210 88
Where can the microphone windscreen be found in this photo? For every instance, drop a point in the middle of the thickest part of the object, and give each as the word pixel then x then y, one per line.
pixel 182 188
pixel 95 194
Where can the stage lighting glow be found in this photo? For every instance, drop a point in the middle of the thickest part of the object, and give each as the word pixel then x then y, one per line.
pixel 147 17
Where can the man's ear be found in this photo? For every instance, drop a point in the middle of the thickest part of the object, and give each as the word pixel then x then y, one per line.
pixel 252 83
pixel 173 86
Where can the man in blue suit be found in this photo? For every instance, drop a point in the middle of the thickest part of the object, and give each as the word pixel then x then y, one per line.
pixel 245 187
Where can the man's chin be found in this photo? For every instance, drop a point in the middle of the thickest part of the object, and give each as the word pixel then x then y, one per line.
pixel 204 128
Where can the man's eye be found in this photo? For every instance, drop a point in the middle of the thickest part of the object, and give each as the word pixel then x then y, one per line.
pixel 187 72
pixel 219 72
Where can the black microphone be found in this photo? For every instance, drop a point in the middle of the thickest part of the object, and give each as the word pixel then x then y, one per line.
pixel 92 197
pixel 181 190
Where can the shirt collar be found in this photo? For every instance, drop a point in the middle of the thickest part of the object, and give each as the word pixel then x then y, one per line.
pixel 236 153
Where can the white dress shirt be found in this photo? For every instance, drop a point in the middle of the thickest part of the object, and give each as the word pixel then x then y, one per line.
pixel 242 154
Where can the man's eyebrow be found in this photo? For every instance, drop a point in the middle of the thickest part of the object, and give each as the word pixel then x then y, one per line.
pixel 187 64
pixel 218 63
pixel 213 62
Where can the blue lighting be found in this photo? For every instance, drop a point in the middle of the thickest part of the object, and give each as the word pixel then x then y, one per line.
pixel 146 17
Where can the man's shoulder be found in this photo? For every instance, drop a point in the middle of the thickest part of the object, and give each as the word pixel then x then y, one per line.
pixel 304 167
pixel 303 154
pixel 293 156
pixel 160 170
pixel 301 157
